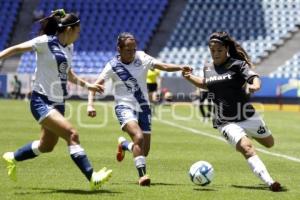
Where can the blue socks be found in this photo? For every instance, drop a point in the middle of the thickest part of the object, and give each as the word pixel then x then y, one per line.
pixel 127 146
pixel 28 151
pixel 77 153
pixel 80 158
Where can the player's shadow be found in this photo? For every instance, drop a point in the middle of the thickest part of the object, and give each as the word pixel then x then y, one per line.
pixel 205 189
pixel 66 191
pixel 258 187
pixel 152 184
pixel 165 184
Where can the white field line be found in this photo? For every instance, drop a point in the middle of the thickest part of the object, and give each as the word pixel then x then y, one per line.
pixel 222 139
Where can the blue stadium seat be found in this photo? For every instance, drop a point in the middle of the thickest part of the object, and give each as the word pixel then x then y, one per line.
pixel 290 69
pixel 102 21
pixel 9 10
pixel 260 26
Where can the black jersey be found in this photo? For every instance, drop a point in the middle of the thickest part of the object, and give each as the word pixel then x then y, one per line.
pixel 226 85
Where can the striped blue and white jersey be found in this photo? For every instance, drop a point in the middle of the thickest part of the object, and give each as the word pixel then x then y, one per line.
pixel 129 81
pixel 53 63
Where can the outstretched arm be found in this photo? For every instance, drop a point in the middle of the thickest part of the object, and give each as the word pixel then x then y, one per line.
pixel 170 67
pixel 16 49
pixel 73 78
pixel 91 111
pixel 197 81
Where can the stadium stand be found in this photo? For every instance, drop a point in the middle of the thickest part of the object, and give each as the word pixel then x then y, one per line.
pixel 291 69
pixel 259 25
pixel 101 22
pixel 9 12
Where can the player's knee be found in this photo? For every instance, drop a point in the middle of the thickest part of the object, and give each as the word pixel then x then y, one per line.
pixel 138 139
pixel 74 137
pixel 246 148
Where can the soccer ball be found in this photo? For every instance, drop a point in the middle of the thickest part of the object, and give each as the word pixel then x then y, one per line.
pixel 201 173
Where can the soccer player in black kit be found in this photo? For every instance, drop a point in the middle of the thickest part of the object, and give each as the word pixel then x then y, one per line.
pixel 229 79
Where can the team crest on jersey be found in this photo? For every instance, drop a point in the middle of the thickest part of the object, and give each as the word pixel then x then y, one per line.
pixel 137 63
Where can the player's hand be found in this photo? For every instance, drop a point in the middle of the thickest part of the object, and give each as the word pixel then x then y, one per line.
pixel 186 74
pixel 95 87
pixel 91 111
pixel 187 69
pixel 251 88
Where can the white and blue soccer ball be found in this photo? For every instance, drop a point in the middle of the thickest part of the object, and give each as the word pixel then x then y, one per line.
pixel 201 173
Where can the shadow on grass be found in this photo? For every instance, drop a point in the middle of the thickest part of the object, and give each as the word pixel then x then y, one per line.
pixel 258 187
pixel 152 184
pixel 66 191
pixel 204 189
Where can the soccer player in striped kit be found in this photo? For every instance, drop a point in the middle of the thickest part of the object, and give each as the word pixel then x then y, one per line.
pixel 128 71
pixel 227 79
pixel 54 50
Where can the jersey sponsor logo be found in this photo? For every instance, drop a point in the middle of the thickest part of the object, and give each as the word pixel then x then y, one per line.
pixel 62 70
pixel 218 78
pixel 132 85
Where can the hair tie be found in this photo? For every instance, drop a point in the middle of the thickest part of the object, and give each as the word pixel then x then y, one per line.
pixel 61 12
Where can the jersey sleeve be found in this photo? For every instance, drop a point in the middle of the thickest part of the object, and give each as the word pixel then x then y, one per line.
pixel 148 60
pixel 247 73
pixel 107 72
pixel 40 43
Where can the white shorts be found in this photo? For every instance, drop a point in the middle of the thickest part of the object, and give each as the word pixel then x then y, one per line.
pixel 254 127
pixel 126 114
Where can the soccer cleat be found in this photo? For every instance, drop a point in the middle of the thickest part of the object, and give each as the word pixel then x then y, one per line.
pixel 99 178
pixel 144 181
pixel 10 165
pixel 120 152
pixel 275 187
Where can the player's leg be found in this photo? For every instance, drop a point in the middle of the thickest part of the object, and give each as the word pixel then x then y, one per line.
pixel 147 143
pixel 124 114
pixel 31 150
pixel 136 134
pixel 267 141
pixel 57 124
pixel 237 137
pixel 48 141
pixel 144 120
pixel 257 129
pixel 201 106
pixel 257 166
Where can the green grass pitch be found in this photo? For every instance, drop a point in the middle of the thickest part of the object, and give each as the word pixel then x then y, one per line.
pixel 179 139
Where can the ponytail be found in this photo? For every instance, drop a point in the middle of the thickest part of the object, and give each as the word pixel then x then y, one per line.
pixel 49 25
pixel 235 50
pixel 57 22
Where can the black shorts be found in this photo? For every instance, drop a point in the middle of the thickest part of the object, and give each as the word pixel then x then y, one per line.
pixel 152 87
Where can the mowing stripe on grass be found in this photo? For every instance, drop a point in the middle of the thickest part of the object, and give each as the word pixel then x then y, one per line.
pixel 222 139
